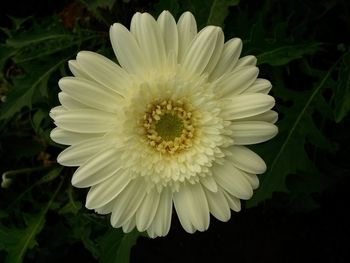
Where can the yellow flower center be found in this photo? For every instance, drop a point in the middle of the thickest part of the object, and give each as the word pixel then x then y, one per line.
pixel 168 126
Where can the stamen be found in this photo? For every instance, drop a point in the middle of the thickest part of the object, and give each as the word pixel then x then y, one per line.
pixel 169 126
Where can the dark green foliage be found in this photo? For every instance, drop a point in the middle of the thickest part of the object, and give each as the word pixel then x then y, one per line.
pixel 297 47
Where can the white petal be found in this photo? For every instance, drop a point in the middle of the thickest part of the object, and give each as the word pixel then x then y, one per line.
pixel 104 71
pixel 128 202
pixel 209 183
pixel 149 38
pixel 86 121
pixel 97 169
pixel 246 160
pixel 68 138
pixel 89 93
pixel 218 205
pixel 127 50
pixel 129 225
pixel 230 54
pixel 253 180
pixel 233 180
pixel 56 111
pixel 147 210
pixel 106 209
pixel 246 105
pixel 77 70
pixel 69 103
pixel 252 132
pixel 79 153
pixel 269 116
pixel 233 202
pixel 104 192
pixel 168 29
pixel 162 219
pixel 202 49
pixel 259 86
pixel 245 61
pixel 219 46
pixel 187 30
pixel 237 82
pixel 190 203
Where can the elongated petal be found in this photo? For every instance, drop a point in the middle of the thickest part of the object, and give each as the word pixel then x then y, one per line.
pixel 187 30
pixel 246 160
pixel 88 93
pixel 237 82
pixel 168 29
pixel 79 153
pixel 218 205
pixel 245 61
pixel 77 70
pixel 233 202
pixel 69 103
pixel 147 210
pixel 162 219
pixel 229 57
pixel 128 202
pixel 269 116
pixel 56 111
pixel 97 169
pixel 192 201
pixel 202 49
pixel 253 180
pixel 233 181
pixel 104 192
pixel 247 105
pixel 106 209
pixel 86 121
pixel 129 225
pixel 149 38
pixel 104 71
pixel 209 183
pixel 252 132
pixel 259 86
pixel 127 50
pixel 68 138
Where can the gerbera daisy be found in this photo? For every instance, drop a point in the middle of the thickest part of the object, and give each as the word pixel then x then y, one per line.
pixel 165 126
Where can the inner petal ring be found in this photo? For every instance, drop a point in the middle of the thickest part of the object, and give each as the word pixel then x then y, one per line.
pixel 169 126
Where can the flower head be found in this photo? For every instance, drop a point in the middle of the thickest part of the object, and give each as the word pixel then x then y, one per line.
pixel 167 126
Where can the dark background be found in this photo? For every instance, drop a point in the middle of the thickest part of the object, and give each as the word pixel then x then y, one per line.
pixel 284 228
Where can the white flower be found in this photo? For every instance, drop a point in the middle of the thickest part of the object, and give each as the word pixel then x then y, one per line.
pixel 166 126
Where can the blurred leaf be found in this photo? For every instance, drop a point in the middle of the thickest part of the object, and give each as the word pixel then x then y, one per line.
pixel 16 241
pixel 109 244
pixel 290 156
pixel 22 94
pixel 171 5
pixel 219 11
pixel 342 93
pixel 127 242
pixel 115 246
pixel 282 55
pixel 207 12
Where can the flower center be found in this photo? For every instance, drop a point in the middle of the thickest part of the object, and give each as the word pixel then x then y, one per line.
pixel 168 126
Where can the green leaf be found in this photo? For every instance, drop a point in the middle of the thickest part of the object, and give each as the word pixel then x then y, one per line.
pixel 115 246
pixel 23 92
pixel 16 241
pixel 282 55
pixel 171 5
pixel 108 244
pixel 288 155
pixel 219 11
pixel 127 242
pixel 342 94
